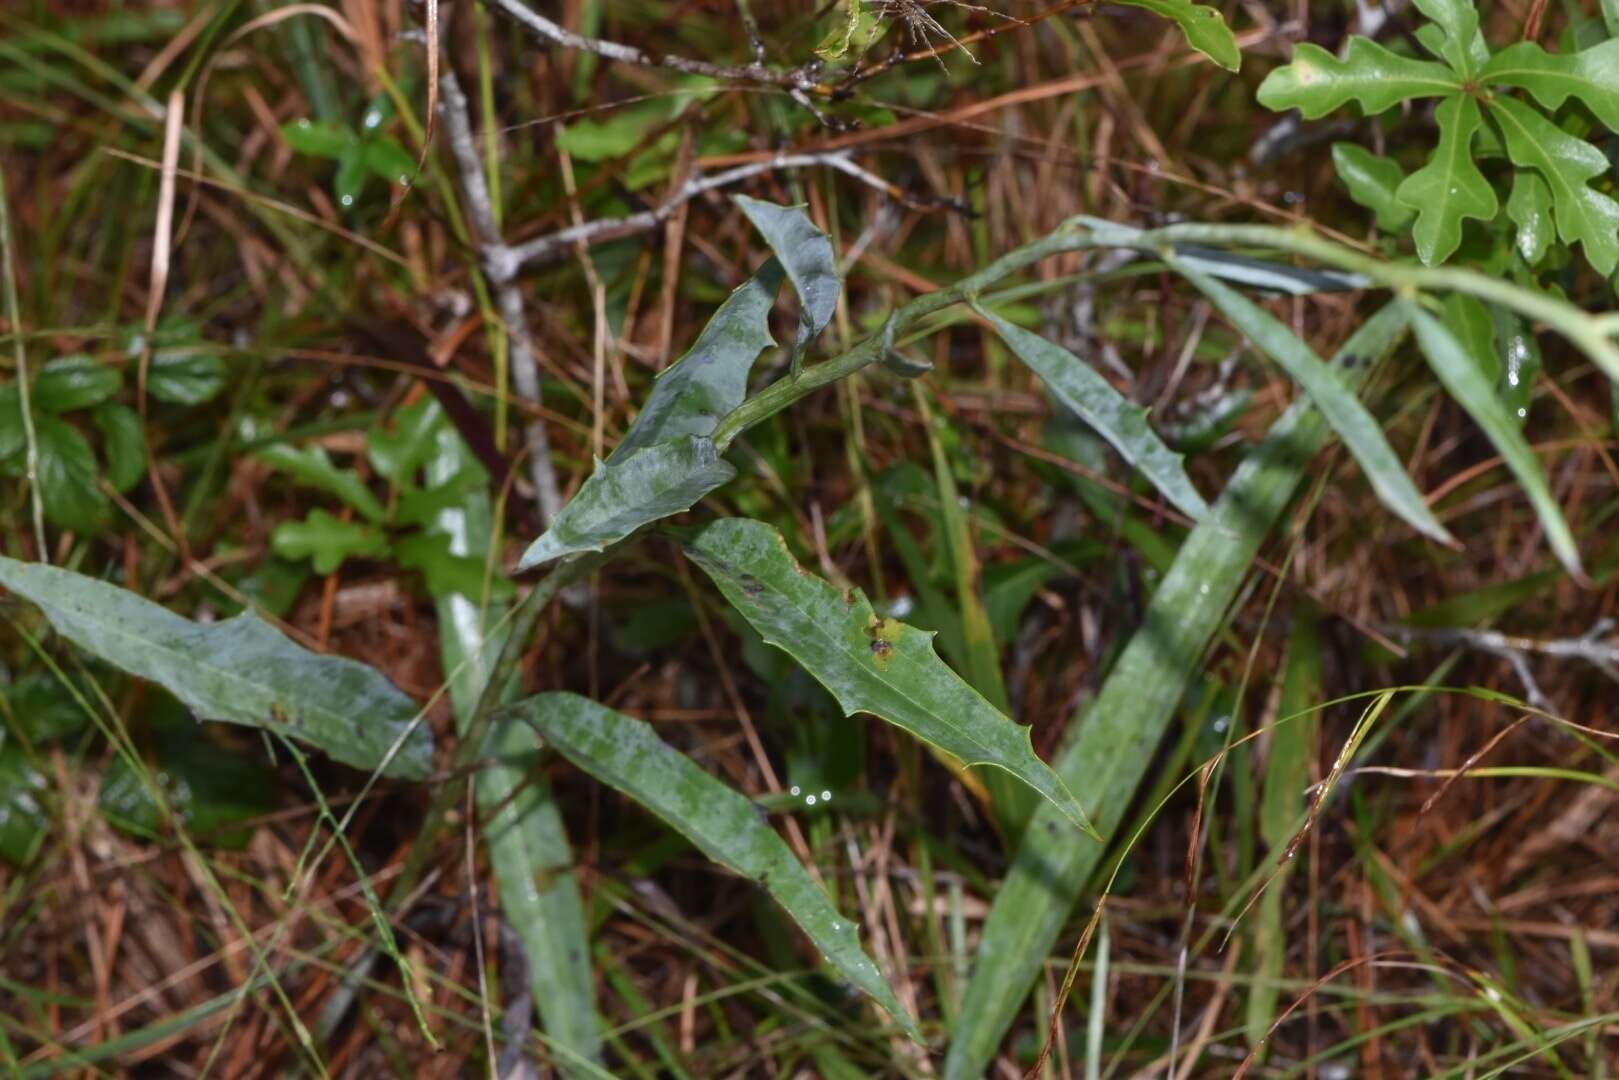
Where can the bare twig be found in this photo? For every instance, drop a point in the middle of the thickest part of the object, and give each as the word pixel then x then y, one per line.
pixel 1595 647
pixel 503 263
pixel 800 79
pixel 509 300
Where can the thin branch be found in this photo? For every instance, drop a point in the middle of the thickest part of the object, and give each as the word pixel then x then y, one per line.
pixel 504 263
pixel 1595 647
pixel 508 298
pixel 801 79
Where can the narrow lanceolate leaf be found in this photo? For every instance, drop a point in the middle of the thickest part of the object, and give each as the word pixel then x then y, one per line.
pixel 1466 384
pixel 805 252
pixel 693 393
pixel 871 665
pixel 1372 182
pixel 1204 27
pixel 241 671
pixel 1462 45
pixel 1591 75
pixel 1355 426
pixel 1567 164
pixel 522 825
pixel 656 483
pixel 1119 733
pixel 628 755
pixel 1449 188
pixel 1317 83
pixel 666 462
pixel 1118 420
pixel 1530 208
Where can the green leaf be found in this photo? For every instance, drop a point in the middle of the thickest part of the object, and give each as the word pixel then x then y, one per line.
pixel 805 252
pixel 74 382
pixel 67 477
pixel 1449 188
pixel 618 499
pixel 185 377
pixel 311 466
pixel 691 395
pixel 317 139
pixel 1372 181
pixel 522 825
pixel 1204 27
pixel 1591 75
pixel 388 160
pixel 12 433
pixel 666 462
pixel 1469 321
pixel 348 183
pixel 397 454
pixel 1463 46
pixel 25 792
pixel 1520 358
pixel 1530 208
pixel 446 572
pixel 122 445
pixel 726 826
pixel 326 541
pixel 1332 395
pixel 1466 384
pixel 871 665
pixel 1567 164
pixel 1118 734
pixel 240 671
pixel 1118 420
pixel 1317 83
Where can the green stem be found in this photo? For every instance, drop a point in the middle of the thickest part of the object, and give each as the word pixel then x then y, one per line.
pixel 1590 333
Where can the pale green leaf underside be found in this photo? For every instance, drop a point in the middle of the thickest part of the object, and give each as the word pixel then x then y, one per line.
pixel 1119 733
pixel 726 826
pixel 1466 384
pixel 241 671
pixel 1372 182
pixel 871 665
pixel 1355 426
pixel 1118 420
pixel 1316 82
pixel 805 252
pixel 1449 188
pixel 1591 75
pixel 1584 216
pixel 696 391
pixel 618 499
pixel 1204 27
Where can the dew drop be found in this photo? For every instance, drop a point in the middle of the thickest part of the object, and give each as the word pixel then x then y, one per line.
pixel 348 200
pixel 1204 588
pixel 826 796
pixel 793 790
pixel 809 800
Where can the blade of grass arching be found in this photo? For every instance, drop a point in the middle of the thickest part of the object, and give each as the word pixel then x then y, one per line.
pixel 1119 733
pixel 627 755
pixel 523 829
pixel 1462 378
pixel 1361 435
pixel 1013 801
pixel 1287 777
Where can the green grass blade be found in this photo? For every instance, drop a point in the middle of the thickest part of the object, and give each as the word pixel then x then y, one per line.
pixel 628 755
pixel 1120 731
pixel 1361 435
pixel 1464 382
pixel 1118 420
pixel 878 666
pixel 241 671
pixel 1282 809
pixel 522 827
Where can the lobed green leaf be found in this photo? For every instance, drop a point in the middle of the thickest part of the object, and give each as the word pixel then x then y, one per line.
pixel 1204 27
pixel 1372 182
pixel 1584 215
pixel 1317 83
pixel 1449 188
pixel 1591 75
pixel 1462 43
